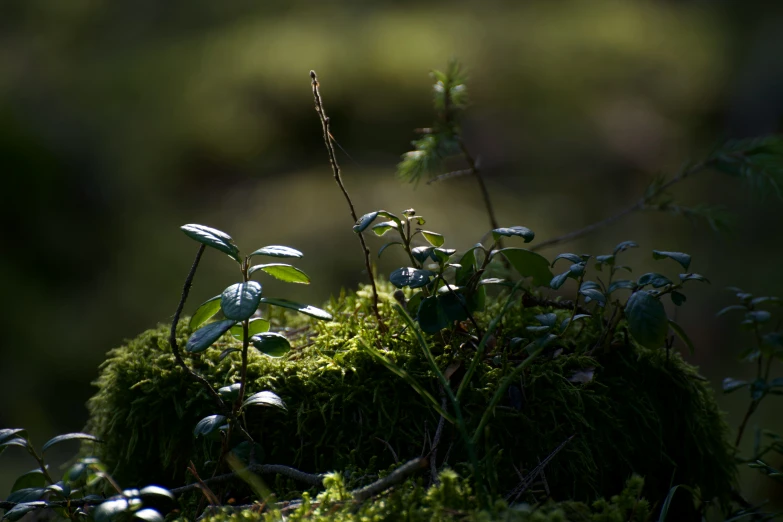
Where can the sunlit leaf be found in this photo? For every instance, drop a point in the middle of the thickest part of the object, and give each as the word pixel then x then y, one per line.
pixel 312 311
pixel 410 277
pixel 528 264
pixel 213 238
pixel 239 301
pixel 277 251
pixel 20 510
pixel 148 515
pixel 433 238
pixel 68 436
pixel 230 392
pixel 523 232
pixel 205 312
pixel 265 398
pixel 283 272
pixel 255 326
pixel 203 338
pixel 208 425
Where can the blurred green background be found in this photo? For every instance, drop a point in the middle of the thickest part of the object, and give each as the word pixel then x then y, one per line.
pixel 122 120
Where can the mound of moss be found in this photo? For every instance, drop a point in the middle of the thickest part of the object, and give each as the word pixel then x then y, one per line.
pixel 628 411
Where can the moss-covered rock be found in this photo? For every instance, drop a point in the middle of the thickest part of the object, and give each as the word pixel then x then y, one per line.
pixel 630 411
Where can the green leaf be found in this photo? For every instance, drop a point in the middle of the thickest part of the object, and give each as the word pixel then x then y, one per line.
pixel 208 425
pixel 158 498
pixel 312 311
pixel 421 253
pixel 265 398
pixel 680 257
pixel 571 257
pixel 148 515
pixel 410 277
pixel 654 279
pixel 365 221
pixel 113 508
pixel 203 338
pixel 528 264
pixel 26 495
pixel 387 245
pixel 68 436
pixel 20 510
pixel 622 284
pixel 383 227
pixel 453 305
pixel 682 335
pixel 730 385
pixel 8 434
pixel 277 251
pixel 467 266
pixel 271 343
pixel 678 298
pixel 213 238
pixel 240 300
pixel 758 316
pixel 205 312
pixel 730 309
pixel 31 479
pixel 433 238
pixel 548 319
pixel 432 317
pixel 559 280
pixel 594 295
pixel 283 272
pixel 442 255
pixel 647 319
pixel 577 269
pixel 230 392
pixel 576 318
pixel 255 326
pixel 228 351
pixel 759 300
pixel 625 245
pixel 523 232
pixel 694 277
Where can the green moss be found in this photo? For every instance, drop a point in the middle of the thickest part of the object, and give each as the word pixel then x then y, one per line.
pixel 640 414
pixel 451 500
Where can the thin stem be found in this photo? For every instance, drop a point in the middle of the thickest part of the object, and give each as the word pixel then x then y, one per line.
pixel 319 108
pixel 173 334
pixel 639 205
pixel 482 186
pixel 751 409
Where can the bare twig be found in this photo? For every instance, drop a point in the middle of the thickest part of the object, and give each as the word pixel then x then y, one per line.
pixel 261 469
pixel 436 442
pixel 449 175
pixel 319 108
pixel 538 470
pixel 200 484
pixel 639 205
pixel 394 453
pixel 173 335
pixel 395 477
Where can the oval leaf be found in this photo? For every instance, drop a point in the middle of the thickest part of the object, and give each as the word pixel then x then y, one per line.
pixel 681 257
pixel 301 308
pixel 111 509
pixel 230 392
pixel 365 221
pixel 205 312
pixel 68 436
pixel 523 232
pixel 239 301
pixel 647 319
pixel 205 336
pixel 283 272
pixel 625 245
pixel 255 326
pixel 410 277
pixel 265 398
pixel 381 228
pixel 208 425
pixel 277 251
pixel 31 479
pixel 20 510
pixel 213 238
pixel 421 253
pixel 559 280
pixel 271 343
pixel 433 238
pixel 654 279
pixel 730 385
pixel 693 277
pixel 432 317
pixel 528 264
pixel 12 433
pixel 148 515
pixel 571 257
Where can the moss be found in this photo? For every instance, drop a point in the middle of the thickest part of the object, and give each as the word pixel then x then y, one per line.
pixel 451 500
pixel 641 413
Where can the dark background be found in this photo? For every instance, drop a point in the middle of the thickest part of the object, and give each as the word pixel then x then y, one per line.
pixel 122 120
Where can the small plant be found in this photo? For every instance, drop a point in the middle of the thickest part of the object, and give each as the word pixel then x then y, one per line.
pixel 238 304
pixel 77 494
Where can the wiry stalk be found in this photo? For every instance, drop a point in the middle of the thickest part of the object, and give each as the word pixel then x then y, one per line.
pixel 319 108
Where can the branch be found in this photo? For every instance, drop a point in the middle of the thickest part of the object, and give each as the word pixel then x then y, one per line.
pixel 395 477
pixel 173 335
pixel 639 205
pixel 522 487
pixel 449 175
pixel 261 469
pixel 319 108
